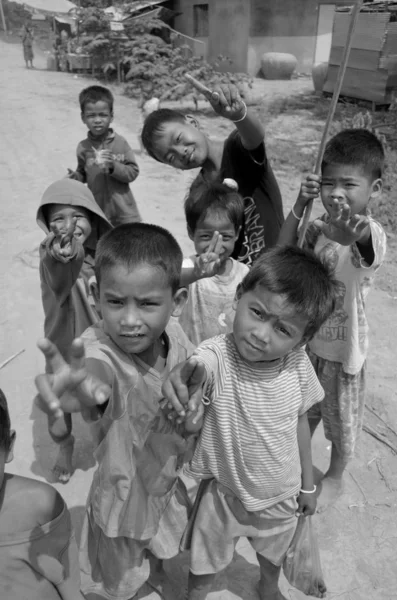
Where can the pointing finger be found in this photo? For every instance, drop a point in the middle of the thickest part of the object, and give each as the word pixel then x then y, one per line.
pixel 203 89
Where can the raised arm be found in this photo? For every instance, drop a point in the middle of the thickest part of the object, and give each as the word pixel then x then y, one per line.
pixel 310 188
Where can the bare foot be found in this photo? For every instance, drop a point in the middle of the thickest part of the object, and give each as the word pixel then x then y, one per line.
pixel 161 583
pixel 63 468
pixel 329 489
pixel 271 596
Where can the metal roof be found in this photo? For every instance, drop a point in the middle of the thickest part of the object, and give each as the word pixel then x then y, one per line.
pixel 60 7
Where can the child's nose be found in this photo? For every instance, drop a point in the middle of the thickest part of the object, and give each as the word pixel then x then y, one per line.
pixel 263 332
pixel 130 317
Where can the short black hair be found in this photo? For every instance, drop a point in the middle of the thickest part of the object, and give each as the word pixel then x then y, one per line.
pixel 134 244
pixel 357 148
pixel 96 93
pixel 304 279
pixel 153 127
pixel 213 196
pixel 5 424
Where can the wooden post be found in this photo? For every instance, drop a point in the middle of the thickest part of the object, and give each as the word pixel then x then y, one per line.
pixel 3 17
pixel 338 86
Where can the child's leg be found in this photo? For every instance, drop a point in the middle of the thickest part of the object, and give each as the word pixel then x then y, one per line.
pixel 268 583
pixel 60 430
pixel 200 586
pixel 342 411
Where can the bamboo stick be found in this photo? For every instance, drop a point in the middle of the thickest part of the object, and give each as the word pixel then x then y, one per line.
pixel 335 97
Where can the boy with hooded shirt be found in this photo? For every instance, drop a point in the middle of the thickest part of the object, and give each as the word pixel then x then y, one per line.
pixel 73 223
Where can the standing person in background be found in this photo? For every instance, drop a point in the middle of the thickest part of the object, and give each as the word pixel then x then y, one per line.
pixel 105 161
pixel 27 42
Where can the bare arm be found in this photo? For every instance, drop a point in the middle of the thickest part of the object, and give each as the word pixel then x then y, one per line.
pixel 307 502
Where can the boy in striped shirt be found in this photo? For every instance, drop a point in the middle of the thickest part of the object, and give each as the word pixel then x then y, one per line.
pixel 253 453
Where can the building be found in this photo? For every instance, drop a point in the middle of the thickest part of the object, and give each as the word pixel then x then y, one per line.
pixel 245 29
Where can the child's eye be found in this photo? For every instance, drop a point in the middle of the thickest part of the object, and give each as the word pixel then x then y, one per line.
pixel 256 312
pixel 178 139
pixel 283 331
pixel 115 302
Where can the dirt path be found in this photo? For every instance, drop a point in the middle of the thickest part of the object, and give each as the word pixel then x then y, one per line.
pixel 40 128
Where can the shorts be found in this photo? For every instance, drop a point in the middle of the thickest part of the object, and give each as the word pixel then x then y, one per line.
pixel 342 409
pixel 221 520
pixel 116 568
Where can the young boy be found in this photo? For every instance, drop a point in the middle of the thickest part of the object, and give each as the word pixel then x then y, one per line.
pixel 72 222
pixel 176 140
pixel 105 161
pixel 254 446
pixel 210 208
pixel 354 245
pixel 137 507
pixel 38 551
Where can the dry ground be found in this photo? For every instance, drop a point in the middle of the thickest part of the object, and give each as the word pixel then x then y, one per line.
pixel 40 128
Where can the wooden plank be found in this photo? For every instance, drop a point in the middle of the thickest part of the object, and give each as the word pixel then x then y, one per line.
pixel 366 85
pixel 369 34
pixel 390 45
pixel 358 59
pixel 388 63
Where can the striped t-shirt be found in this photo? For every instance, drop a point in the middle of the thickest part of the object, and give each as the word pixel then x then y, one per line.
pixel 249 436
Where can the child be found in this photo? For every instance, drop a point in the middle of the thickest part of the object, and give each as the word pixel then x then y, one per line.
pixel 355 246
pixel 38 551
pixel 72 222
pixel 209 208
pixel 137 507
pixel 176 140
pixel 105 161
pixel 254 446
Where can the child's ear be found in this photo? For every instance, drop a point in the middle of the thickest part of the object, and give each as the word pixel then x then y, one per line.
pixel 377 186
pixel 82 117
pixel 239 293
pixel 192 121
pixel 111 116
pixel 190 233
pixel 180 298
pixel 94 289
pixel 10 453
pixel 238 232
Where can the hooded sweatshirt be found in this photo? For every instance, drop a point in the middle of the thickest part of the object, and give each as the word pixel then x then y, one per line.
pixel 64 280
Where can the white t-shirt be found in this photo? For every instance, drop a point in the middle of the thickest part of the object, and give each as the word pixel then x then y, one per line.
pixel 344 336
pixel 249 437
pixel 209 309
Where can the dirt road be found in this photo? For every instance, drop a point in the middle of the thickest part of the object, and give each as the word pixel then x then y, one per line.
pixel 40 128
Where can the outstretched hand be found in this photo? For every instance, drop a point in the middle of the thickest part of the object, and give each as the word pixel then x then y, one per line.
pixel 343 227
pixel 208 263
pixel 183 389
pixel 84 389
pixel 224 99
pixel 62 243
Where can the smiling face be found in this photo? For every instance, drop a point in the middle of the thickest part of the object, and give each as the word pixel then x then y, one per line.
pixel 136 305
pixel 61 216
pixel 266 327
pixel 346 184
pixel 206 227
pixel 97 116
pixel 181 145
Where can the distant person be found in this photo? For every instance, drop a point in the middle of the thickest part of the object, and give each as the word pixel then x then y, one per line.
pixel 38 551
pixel 354 245
pixel 105 161
pixel 73 223
pixel 27 42
pixel 175 139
